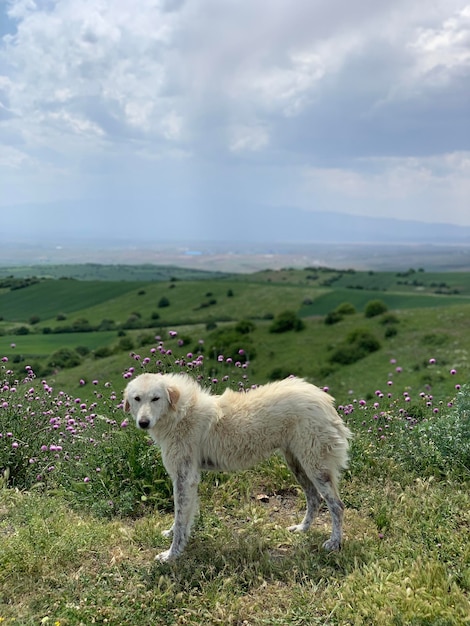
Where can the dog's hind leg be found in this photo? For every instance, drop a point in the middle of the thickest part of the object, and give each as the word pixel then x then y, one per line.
pixel 326 485
pixel 311 494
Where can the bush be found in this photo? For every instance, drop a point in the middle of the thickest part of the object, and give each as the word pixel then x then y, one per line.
pixel 231 344
pixel 346 308
pixel 286 321
pixel 107 325
pixel 21 330
pixel 163 302
pixel 357 345
pixel 94 460
pixel 333 317
pixel 103 352
pixel 145 339
pixel 279 373
pixel 64 358
pixel 437 445
pixel 126 343
pixel 244 327
pixel 374 308
pixel 81 325
pixel 390 318
pixel 82 350
pixel 345 355
pixel 133 321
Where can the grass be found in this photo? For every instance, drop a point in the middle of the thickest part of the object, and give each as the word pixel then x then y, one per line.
pixel 394 301
pixel 48 298
pixel 405 560
pixel 39 346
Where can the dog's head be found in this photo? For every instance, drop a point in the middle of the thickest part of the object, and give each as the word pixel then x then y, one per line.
pixel 148 398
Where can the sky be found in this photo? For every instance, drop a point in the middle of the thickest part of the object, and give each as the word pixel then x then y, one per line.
pixel 159 118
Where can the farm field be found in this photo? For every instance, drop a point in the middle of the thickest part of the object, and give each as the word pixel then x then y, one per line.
pixel 107 320
pixel 83 497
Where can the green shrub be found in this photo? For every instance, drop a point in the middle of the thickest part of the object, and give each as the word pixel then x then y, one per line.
pixel 333 317
pixel 107 325
pixel 82 350
pixel 346 308
pixel 103 352
pixel 374 308
pixel 64 358
pixel 244 327
pixel 439 444
pixel 81 325
pixel 229 343
pixel 389 318
pixel 94 460
pixel 357 345
pixel 163 302
pixel 133 321
pixel 286 321
pixel 281 372
pixel 126 343
pixel 21 330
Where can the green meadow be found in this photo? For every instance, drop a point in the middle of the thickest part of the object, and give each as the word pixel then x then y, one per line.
pixel 84 497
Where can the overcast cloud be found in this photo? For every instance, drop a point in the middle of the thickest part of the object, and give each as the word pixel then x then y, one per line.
pixel 187 109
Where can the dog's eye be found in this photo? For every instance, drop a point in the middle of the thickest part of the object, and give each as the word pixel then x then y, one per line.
pixel 137 398
pixel 155 398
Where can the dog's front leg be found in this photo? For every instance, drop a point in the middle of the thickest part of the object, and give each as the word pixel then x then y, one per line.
pixel 185 487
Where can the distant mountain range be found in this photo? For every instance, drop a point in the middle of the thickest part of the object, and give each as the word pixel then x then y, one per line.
pixel 228 223
pixel 298 226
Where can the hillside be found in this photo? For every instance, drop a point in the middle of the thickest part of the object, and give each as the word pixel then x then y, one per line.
pixel 72 330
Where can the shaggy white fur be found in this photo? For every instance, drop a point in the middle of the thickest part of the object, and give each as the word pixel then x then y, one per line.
pixel 198 431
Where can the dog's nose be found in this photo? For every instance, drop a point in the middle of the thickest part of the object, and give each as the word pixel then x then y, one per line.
pixel 144 422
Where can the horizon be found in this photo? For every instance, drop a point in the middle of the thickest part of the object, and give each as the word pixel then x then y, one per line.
pixel 241 257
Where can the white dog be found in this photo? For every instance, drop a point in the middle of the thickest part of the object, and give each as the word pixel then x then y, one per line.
pixel 199 431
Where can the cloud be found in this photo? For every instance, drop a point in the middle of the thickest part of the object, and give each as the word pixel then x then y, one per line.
pixel 248 138
pixel 428 188
pixel 444 50
pixel 362 105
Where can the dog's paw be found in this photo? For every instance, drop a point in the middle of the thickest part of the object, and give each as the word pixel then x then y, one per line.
pixel 297 528
pixel 165 557
pixel 332 545
pixel 167 533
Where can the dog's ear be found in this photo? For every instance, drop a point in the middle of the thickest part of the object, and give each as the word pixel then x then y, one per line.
pixel 173 396
pixel 127 406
